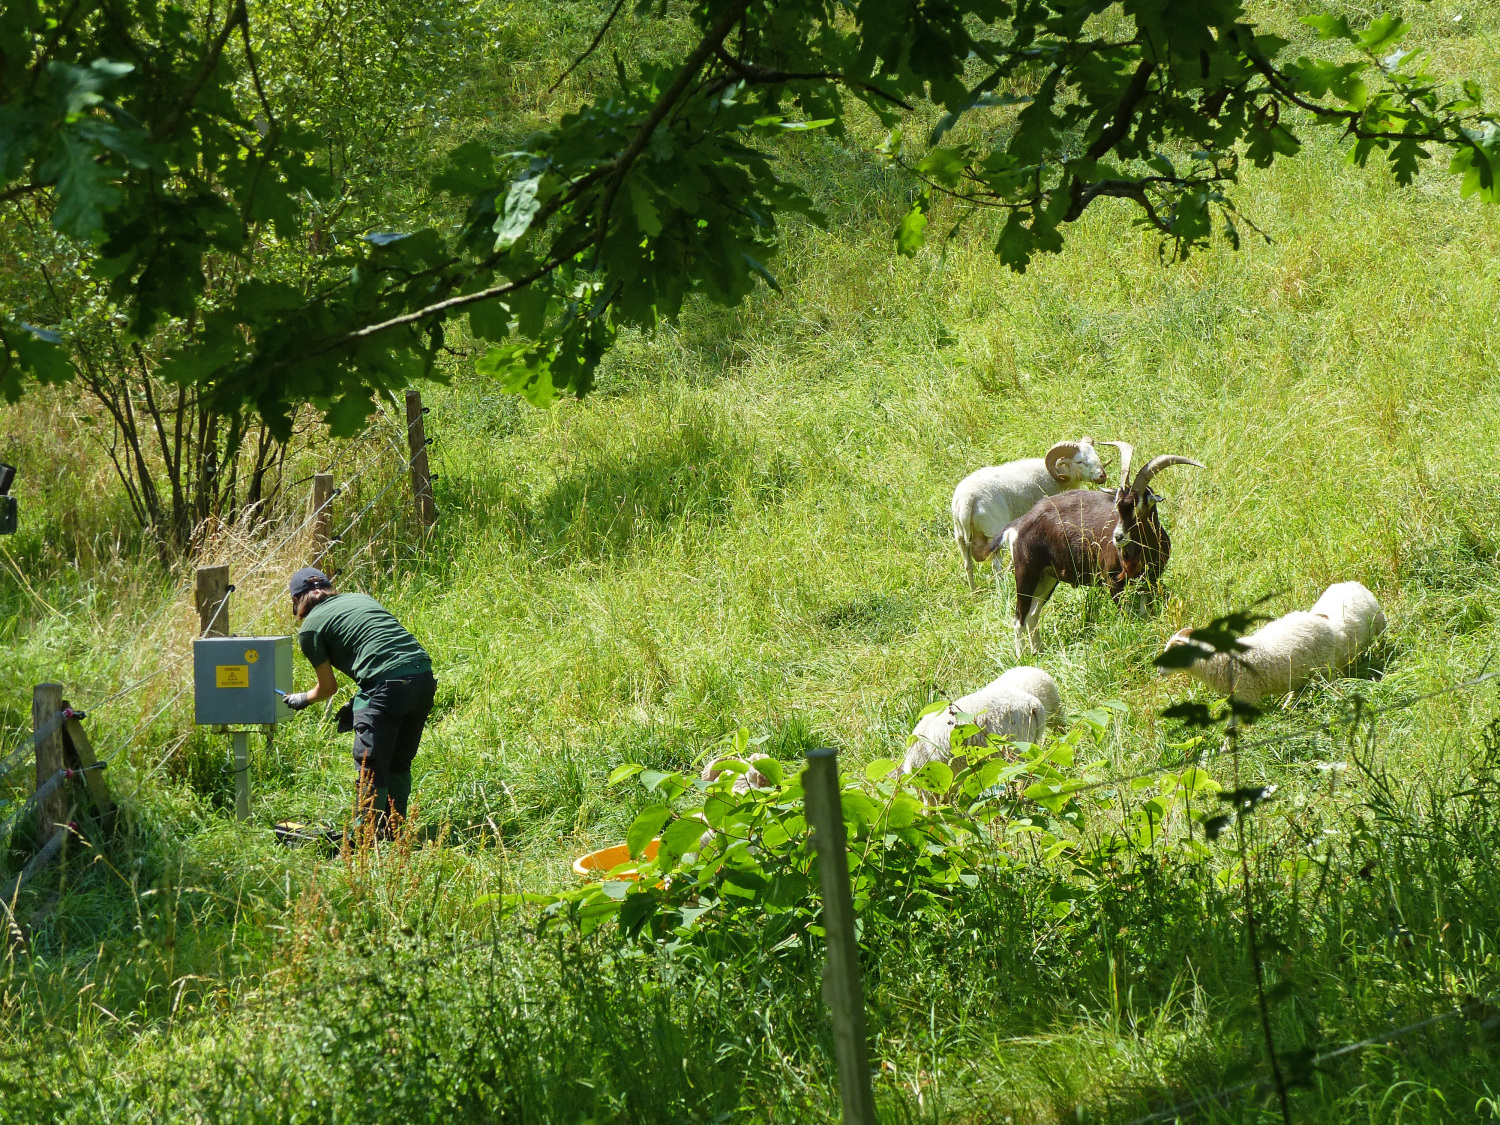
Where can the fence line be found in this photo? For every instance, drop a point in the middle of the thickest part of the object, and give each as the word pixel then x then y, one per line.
pixel 1360 712
pixel 1180 1108
pixel 254 568
pixel 265 557
pixel 30 743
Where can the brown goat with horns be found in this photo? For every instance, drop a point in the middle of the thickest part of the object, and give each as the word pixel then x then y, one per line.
pixel 1106 538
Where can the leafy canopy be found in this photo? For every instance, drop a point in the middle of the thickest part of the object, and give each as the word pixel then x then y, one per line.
pixel 147 136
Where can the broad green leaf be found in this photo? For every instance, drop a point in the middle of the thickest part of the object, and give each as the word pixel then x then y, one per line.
pixel 858 808
pixel 879 768
pixel 945 165
pixel 1329 26
pixel 490 320
pixel 682 836
pixel 645 827
pixel 646 214
pixel 521 206
pixel 770 767
pixel 84 188
pixel 468 170
pixel 1382 32
pixel 622 773
pixel 911 233
pixel 935 777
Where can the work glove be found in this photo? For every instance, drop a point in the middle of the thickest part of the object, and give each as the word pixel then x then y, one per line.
pixel 297 701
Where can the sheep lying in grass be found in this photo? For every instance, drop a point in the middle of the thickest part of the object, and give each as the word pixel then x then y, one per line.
pixel 989 498
pixel 1283 655
pixel 1015 706
pixel 1036 682
pixel 752 778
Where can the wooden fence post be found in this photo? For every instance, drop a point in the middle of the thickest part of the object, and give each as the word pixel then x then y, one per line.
pixel 841 984
pixel 322 516
pixel 212 597
pixel 46 701
pixel 79 752
pixel 421 476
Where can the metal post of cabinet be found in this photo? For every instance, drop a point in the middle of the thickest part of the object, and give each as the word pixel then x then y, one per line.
pixel 240 756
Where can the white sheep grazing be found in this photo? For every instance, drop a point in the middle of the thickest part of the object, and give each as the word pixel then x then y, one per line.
pixel 1036 682
pixel 1355 616
pixel 989 498
pixel 1279 657
pixel 999 708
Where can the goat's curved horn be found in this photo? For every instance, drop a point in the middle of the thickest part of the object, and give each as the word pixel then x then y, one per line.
pixel 1127 451
pixel 1156 465
pixel 1062 451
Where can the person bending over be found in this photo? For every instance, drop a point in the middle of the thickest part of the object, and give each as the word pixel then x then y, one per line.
pixel 359 637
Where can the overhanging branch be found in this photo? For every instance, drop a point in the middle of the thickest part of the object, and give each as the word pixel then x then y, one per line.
pixel 700 55
pixel 768 76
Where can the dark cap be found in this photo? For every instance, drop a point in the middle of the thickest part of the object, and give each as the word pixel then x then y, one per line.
pixel 307 579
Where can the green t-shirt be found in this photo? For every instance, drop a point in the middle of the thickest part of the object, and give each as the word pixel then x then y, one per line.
pixel 362 639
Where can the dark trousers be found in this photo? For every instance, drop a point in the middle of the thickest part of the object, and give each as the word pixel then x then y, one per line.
pixel 388 729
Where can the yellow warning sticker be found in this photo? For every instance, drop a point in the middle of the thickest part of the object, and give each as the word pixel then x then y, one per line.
pixel 251 656
pixel 231 675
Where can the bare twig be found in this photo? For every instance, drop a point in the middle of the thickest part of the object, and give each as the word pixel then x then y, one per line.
pixel 766 75
pixel 592 47
pixel 210 61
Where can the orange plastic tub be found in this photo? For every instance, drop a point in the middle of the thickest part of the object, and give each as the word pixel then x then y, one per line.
pixel 607 859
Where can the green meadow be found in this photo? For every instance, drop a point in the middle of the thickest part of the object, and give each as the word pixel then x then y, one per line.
pixel 746 525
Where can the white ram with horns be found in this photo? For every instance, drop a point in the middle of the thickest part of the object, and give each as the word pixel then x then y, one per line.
pixel 989 498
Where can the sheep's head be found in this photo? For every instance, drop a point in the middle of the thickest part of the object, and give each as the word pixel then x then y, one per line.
pixel 1075 462
pixel 1183 638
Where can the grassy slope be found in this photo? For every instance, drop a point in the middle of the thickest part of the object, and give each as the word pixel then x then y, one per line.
pixel 747 525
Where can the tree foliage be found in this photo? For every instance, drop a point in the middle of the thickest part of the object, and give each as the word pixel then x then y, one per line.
pixel 148 132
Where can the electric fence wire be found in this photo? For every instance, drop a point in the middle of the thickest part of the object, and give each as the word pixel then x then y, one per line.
pixel 1359 712
pixel 129 739
pixel 20 753
pixel 395 479
pixel 1473 1009
pixel 170 602
pixel 254 568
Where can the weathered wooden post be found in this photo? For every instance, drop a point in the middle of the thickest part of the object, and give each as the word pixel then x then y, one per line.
pixel 322 517
pixel 421 476
pixel 212 598
pixel 46 702
pixel 78 752
pixel 841 984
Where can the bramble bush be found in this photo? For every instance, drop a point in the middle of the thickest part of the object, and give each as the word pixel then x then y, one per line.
pixel 738 868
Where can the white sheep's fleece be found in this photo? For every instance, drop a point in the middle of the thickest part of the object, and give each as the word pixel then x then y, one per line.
pixel 1355 616
pixel 998 710
pixel 989 498
pixel 1280 657
pixel 1036 682
pixel 752 778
